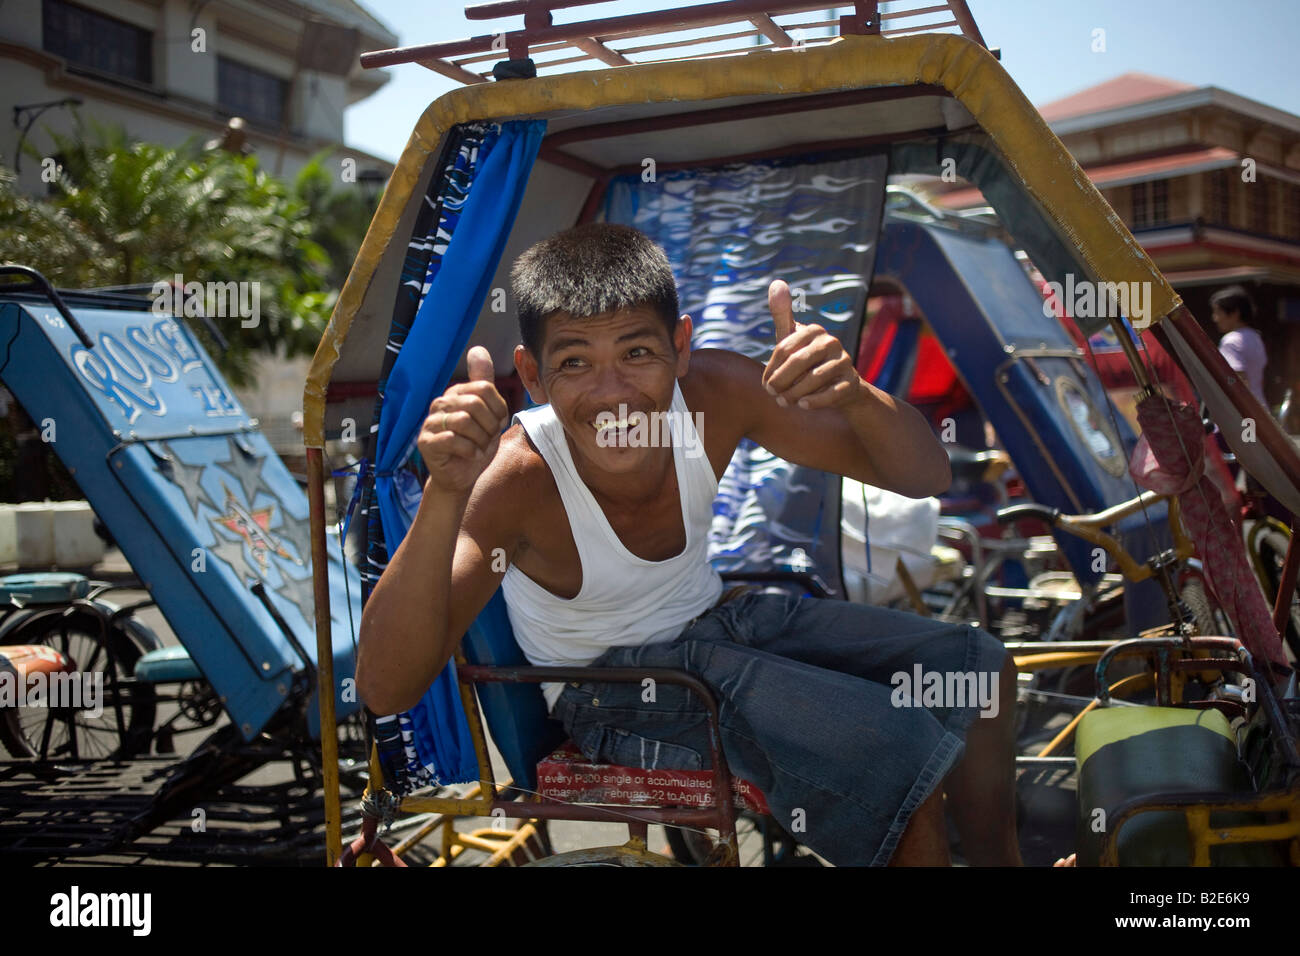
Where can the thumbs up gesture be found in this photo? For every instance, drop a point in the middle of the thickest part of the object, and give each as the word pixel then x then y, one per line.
pixel 463 429
pixel 808 367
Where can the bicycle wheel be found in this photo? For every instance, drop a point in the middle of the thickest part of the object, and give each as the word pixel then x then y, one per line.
pixel 1206 616
pixel 11 734
pixel 124 727
pixel 693 847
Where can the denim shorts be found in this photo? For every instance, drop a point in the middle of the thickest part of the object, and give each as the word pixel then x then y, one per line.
pixel 812 710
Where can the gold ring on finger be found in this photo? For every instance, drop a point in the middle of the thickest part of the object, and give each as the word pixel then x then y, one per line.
pixel 443 426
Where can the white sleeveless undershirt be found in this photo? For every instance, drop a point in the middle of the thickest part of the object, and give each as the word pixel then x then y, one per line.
pixel 624 599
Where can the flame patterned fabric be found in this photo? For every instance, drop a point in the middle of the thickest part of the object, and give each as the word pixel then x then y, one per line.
pixel 1170 459
pixel 729 231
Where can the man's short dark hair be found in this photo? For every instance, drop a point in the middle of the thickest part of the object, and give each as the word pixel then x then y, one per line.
pixel 588 270
pixel 1234 298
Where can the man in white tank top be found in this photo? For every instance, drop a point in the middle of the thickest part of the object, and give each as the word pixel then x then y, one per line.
pixel 592 513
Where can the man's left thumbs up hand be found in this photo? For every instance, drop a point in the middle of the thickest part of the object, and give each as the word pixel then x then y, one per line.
pixel 808 367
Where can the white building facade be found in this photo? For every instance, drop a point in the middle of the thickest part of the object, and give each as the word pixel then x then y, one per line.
pixel 169 70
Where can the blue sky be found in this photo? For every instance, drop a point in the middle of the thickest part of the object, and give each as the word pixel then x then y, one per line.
pixel 1250 48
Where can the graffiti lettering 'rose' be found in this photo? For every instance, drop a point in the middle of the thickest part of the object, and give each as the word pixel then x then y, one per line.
pixel 125 365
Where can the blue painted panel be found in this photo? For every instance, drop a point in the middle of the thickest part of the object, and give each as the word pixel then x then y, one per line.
pixel 198 502
pixel 1051 414
pixel 146 373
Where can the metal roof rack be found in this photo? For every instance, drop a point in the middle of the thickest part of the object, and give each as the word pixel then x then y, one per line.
pixel 752 27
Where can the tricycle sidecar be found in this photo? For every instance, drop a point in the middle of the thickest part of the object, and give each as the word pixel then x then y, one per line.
pixel 690 151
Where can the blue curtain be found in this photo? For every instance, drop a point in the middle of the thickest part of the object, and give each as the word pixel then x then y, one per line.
pixel 457 285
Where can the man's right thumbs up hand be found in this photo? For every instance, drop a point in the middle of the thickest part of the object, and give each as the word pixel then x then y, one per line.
pixel 463 428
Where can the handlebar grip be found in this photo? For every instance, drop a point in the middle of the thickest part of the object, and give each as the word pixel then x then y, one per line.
pixel 1028 510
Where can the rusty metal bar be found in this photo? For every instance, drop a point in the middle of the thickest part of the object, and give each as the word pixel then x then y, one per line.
pixel 450 70
pixel 609 28
pixel 496 55
pixel 1131 353
pixel 1161 646
pixel 329 741
pixel 1286 583
pixel 864 19
pixel 556 157
pixel 594 197
pixel 923 28
pixel 846 145
pixel 689 41
pixel 770 29
pixel 510 8
pixel 724 815
pixel 597 50
pixel 918 12
pixel 474 719
pixel 967 22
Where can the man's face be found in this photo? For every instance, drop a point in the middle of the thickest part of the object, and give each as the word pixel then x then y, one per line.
pixel 594 365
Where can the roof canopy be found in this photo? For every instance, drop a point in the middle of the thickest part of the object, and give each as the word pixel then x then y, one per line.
pixel 936 97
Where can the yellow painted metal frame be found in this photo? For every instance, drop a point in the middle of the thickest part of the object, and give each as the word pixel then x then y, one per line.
pixel 965 69
pixel 1194 808
pixel 1203 836
pixel 501 843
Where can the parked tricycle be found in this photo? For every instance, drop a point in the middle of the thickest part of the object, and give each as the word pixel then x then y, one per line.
pixel 773 162
pixel 215 530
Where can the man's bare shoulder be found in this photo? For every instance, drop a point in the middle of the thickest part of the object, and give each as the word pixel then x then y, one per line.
pixel 721 382
pixel 722 387
pixel 720 376
pixel 514 488
pixel 517 468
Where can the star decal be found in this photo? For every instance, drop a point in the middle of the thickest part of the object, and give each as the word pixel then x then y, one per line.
pixel 188 479
pixel 298 533
pixel 232 552
pixel 247 471
pixel 253 526
pixel 300 592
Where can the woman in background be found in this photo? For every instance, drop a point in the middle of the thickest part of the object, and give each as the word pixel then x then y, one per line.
pixel 1243 348
pixel 1241 344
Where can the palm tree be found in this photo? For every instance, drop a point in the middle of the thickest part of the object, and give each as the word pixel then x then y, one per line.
pixel 124 213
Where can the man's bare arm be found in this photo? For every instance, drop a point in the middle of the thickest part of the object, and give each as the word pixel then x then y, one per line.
pixel 441 575
pixel 435 585
pixel 849 426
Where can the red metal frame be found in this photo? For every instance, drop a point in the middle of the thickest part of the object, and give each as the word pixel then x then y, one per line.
pixel 721 816
pixel 1286 583
pixel 1268 432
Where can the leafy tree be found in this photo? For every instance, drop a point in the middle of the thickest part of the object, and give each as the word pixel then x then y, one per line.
pixel 125 213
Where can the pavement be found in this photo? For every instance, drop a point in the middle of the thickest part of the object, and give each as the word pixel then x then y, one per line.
pixel 565 835
pixel 1047 798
